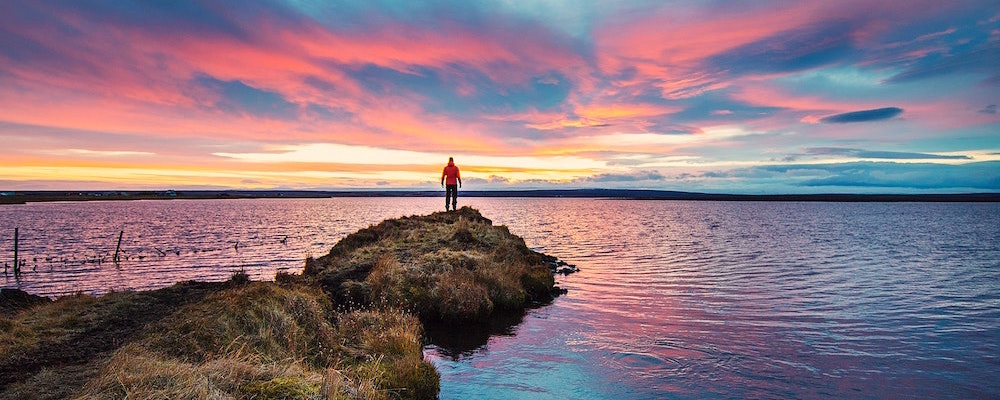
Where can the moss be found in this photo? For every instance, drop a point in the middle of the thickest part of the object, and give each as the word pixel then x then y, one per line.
pixel 256 340
pixel 287 279
pixel 136 372
pixel 72 337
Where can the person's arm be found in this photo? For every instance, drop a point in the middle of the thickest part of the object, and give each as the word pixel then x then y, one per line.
pixel 442 176
pixel 458 175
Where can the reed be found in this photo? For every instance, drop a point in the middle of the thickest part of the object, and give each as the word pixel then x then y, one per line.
pixel 17 260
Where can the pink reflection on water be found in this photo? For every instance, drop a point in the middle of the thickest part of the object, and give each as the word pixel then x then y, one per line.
pixel 674 299
pixel 69 247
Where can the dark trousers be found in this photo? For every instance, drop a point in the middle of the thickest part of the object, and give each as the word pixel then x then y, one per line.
pixel 451 192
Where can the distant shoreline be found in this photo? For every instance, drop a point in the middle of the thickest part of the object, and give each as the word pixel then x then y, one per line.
pixel 22 197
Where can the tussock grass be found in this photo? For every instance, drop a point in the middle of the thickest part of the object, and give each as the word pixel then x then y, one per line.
pixel 447 266
pixel 348 327
pixel 275 322
pixel 260 340
pixel 250 340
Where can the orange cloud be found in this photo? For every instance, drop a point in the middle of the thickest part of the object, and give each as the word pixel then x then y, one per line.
pixel 610 112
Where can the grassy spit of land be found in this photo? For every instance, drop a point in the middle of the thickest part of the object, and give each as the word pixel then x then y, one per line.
pixel 453 267
pixel 348 327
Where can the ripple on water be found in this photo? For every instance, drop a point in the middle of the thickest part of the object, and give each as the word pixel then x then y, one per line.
pixel 674 299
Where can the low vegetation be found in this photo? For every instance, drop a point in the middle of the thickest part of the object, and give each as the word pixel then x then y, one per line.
pixel 453 266
pixel 349 327
pixel 266 341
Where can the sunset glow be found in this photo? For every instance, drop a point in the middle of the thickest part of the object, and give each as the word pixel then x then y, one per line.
pixel 748 97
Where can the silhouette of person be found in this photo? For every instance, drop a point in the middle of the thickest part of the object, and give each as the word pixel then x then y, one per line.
pixel 454 182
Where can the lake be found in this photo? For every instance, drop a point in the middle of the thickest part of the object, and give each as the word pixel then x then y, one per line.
pixel 674 299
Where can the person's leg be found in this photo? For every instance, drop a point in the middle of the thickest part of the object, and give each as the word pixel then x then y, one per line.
pixel 454 199
pixel 451 191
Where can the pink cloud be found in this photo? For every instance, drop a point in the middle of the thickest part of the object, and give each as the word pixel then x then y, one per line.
pixel 670 44
pixel 145 80
pixel 632 76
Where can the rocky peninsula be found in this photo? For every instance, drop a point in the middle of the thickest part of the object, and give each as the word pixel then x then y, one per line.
pixel 350 326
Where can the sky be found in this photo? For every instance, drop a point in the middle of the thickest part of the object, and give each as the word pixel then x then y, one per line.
pixel 755 97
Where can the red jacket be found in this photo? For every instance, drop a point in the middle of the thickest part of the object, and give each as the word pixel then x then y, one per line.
pixel 451 172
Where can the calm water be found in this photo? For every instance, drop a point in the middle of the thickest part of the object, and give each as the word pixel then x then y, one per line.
pixel 674 300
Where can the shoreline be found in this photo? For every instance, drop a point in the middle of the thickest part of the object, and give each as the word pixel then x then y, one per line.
pixel 24 197
pixel 352 324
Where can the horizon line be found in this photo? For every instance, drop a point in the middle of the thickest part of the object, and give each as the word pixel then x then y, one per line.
pixel 30 196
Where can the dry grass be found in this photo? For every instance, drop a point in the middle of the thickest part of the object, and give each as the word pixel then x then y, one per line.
pixel 275 322
pixel 347 328
pixel 57 321
pixel 255 340
pixel 16 337
pixel 265 341
pixel 445 266
pixel 51 349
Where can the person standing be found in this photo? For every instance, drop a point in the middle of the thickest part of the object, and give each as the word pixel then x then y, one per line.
pixel 454 181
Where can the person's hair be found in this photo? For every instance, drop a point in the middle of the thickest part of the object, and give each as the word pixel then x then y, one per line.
pixel 451 159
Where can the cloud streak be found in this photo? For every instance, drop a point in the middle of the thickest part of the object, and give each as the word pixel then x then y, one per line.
pixel 976 176
pixel 877 114
pixel 289 93
pixel 884 155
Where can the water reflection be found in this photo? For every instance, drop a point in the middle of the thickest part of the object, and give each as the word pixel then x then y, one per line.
pixel 69 246
pixel 750 300
pixel 674 299
pixel 454 341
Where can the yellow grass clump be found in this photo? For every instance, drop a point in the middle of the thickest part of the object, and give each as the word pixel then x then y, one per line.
pixel 256 340
pixel 266 341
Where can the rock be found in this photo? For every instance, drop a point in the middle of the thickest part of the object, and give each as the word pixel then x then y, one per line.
pixel 566 270
pixel 562 267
